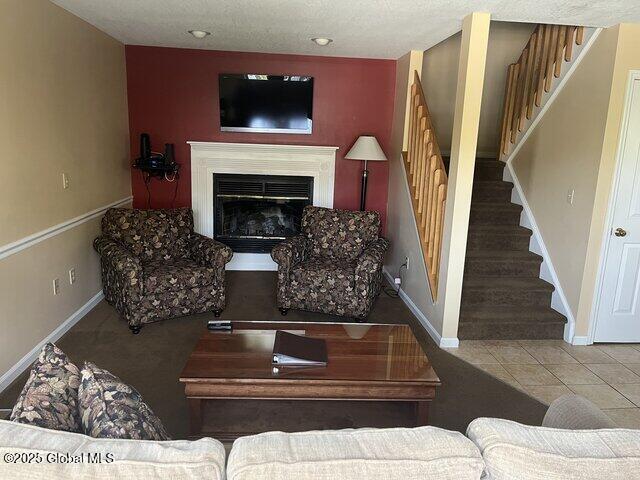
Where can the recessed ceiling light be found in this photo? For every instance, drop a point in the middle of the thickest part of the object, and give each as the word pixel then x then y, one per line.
pixel 322 41
pixel 199 33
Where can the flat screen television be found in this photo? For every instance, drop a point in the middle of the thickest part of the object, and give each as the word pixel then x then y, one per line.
pixel 265 103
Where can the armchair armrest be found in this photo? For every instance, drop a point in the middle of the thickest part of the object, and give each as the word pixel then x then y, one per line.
pixel 120 262
pixel 289 252
pixel 209 252
pixel 371 259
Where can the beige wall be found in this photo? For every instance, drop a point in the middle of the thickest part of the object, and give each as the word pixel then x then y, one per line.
pixel 574 147
pixel 63 108
pixel 440 71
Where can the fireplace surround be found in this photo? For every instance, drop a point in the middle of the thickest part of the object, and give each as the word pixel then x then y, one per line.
pixel 210 158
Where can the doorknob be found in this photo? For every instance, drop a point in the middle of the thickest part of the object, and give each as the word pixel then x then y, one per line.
pixel 620 232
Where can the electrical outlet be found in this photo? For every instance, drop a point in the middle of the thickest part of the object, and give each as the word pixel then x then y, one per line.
pixel 406 261
pixel 570 194
pixel 65 181
pixel 72 276
pixel 56 286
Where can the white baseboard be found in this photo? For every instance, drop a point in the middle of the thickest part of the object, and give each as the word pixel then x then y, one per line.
pixel 547 272
pixel 252 261
pixel 24 363
pixel 442 342
pixel 580 340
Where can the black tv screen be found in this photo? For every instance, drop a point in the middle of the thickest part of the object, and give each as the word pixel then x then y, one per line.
pixel 265 103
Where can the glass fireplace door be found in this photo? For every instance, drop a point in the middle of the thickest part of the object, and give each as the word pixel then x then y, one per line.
pixel 254 213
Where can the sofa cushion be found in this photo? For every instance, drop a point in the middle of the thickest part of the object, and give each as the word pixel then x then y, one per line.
pixel 110 408
pixel 338 234
pixel 513 451
pixel 104 459
pixel 49 399
pixel 176 274
pixel 393 454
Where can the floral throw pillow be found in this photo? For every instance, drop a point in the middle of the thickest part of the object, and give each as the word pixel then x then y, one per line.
pixel 49 399
pixel 109 408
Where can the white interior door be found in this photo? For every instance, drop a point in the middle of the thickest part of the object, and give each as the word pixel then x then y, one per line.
pixel 618 314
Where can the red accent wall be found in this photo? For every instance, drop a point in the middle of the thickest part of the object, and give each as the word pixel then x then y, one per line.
pixel 173 96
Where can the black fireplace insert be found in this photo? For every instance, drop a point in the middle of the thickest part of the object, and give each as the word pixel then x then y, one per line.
pixel 253 213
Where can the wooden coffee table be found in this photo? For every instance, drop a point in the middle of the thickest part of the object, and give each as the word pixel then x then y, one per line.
pixel 366 362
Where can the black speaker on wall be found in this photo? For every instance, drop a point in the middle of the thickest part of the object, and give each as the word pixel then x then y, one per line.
pixel 145 146
pixel 169 155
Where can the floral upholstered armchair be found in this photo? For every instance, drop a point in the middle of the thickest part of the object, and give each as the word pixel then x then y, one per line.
pixel 334 266
pixel 154 266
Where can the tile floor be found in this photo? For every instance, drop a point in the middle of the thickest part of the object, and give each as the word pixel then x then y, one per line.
pixel 608 375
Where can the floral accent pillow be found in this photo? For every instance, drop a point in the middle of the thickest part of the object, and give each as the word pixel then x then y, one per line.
pixel 49 399
pixel 109 408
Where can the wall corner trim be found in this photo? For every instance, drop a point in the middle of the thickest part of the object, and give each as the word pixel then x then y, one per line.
pixel 25 362
pixel 442 342
pixel 26 242
pixel 537 235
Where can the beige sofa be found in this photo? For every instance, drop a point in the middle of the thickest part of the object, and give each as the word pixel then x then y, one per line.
pixel 493 449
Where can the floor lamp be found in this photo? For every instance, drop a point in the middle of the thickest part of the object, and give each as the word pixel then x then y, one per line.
pixel 368 149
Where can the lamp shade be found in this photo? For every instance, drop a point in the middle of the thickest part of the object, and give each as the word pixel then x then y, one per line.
pixel 366 148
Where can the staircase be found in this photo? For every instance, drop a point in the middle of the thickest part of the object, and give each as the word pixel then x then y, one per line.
pixel 502 296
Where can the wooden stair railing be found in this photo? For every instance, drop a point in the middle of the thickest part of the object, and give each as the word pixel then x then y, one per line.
pixel 531 76
pixel 427 179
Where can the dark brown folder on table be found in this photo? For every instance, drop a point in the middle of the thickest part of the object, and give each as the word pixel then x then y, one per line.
pixel 296 350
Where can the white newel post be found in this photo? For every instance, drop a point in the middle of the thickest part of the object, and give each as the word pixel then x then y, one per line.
pixel 208 158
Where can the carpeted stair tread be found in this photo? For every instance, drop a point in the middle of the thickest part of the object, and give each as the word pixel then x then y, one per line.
pixel 497 206
pixel 492 190
pixel 511 314
pixel 513 255
pixel 506 283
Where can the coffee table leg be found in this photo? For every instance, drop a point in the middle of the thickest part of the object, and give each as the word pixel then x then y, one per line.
pixel 195 415
pixel 422 413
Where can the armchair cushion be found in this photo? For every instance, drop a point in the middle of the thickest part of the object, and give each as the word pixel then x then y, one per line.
pixel 317 277
pixel 338 234
pixel 167 234
pixel 176 274
pixel 125 226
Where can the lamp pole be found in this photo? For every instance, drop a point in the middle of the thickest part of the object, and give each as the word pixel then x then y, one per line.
pixel 363 188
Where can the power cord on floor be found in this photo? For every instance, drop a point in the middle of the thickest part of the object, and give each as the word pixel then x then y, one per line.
pixel 394 290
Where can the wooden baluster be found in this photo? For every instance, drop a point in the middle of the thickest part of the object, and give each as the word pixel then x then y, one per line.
pixel 548 76
pixel 505 110
pixel 579 35
pixel 560 51
pixel 420 160
pixel 528 73
pixel 437 180
pixel 416 145
pixel 516 107
pixel 512 101
pixel 442 197
pixel 412 122
pixel 535 70
pixel 568 51
pixel 546 45
pixel 425 221
pixel 423 173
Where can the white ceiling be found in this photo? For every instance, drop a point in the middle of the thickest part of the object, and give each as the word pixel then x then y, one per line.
pixel 359 28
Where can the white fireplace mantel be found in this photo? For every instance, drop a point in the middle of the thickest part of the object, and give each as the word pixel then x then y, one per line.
pixel 208 158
